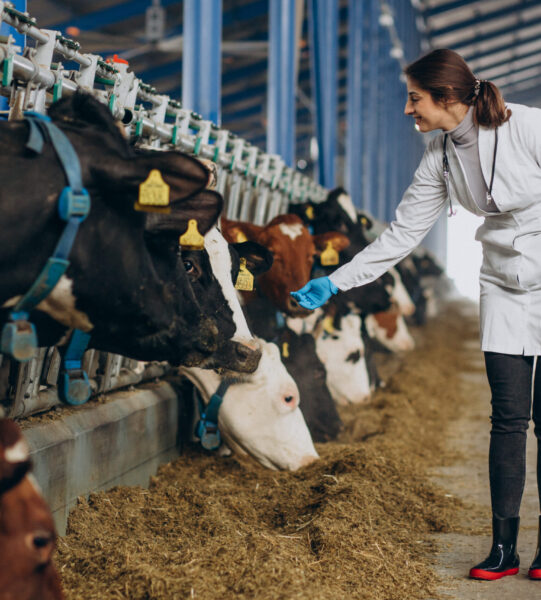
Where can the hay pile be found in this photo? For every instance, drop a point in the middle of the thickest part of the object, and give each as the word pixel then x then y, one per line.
pixel 355 524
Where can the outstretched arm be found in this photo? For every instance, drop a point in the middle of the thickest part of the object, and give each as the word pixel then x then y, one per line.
pixel 419 209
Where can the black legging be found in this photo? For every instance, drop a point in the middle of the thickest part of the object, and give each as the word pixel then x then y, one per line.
pixel 510 379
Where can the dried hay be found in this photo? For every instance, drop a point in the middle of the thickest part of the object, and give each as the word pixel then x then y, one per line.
pixel 355 524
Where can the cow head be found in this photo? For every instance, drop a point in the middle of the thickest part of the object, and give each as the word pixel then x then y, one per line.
pixel 120 285
pixel 27 533
pixel 212 274
pixel 260 416
pixel 293 249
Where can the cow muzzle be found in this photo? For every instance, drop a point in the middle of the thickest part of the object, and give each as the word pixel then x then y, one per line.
pixel 294 309
pixel 246 357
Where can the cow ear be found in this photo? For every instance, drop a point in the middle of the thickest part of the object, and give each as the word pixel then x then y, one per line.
pixel 338 240
pixel 238 231
pixel 120 179
pixel 258 258
pixel 204 207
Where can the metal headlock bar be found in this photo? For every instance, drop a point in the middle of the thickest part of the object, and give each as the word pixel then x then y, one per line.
pixel 185 129
pixel 256 186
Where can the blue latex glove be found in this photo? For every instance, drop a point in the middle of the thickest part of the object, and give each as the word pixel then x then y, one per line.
pixel 315 293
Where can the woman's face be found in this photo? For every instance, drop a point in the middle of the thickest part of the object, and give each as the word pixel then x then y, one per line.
pixel 428 115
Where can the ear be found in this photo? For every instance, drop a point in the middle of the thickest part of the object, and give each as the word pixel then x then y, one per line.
pixel 238 231
pixel 122 177
pixel 306 211
pixel 258 258
pixel 338 240
pixel 204 207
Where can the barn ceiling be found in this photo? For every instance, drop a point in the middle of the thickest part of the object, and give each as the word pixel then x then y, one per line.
pixel 501 40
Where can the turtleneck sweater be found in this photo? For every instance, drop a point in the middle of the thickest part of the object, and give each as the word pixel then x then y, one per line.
pixel 465 139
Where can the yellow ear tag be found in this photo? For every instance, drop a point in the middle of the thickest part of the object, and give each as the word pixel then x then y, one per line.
pixel 240 237
pixel 328 325
pixel 364 221
pixel 245 280
pixel 329 256
pixel 191 239
pixel 285 350
pixel 153 194
pixel 309 212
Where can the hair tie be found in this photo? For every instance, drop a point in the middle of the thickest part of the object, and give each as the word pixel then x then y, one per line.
pixel 476 88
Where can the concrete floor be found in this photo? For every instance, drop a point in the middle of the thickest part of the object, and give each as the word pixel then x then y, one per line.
pixel 468 480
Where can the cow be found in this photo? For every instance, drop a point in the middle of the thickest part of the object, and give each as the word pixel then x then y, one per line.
pixel 260 414
pixel 340 347
pixel 27 532
pixel 293 249
pixel 390 330
pixel 122 285
pixel 300 358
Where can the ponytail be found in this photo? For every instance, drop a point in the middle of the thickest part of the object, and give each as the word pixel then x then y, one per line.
pixel 446 76
pixel 489 106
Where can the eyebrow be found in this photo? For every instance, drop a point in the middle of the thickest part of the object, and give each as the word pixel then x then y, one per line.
pixel 412 93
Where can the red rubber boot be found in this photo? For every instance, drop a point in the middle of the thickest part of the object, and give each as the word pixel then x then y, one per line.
pixel 503 559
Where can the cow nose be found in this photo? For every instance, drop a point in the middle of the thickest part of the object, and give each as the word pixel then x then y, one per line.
pixel 294 309
pixel 308 460
pixel 248 358
pixel 293 303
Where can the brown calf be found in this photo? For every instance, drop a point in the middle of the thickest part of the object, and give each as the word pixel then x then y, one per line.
pixel 293 248
pixel 27 533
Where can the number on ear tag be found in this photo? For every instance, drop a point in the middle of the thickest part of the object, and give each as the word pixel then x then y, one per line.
pixel 285 350
pixel 191 239
pixel 240 237
pixel 328 325
pixel 245 280
pixel 329 256
pixel 153 194
pixel 309 212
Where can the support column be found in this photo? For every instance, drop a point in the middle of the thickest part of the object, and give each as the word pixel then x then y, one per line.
pixel 201 58
pixel 281 80
pixel 371 113
pixel 354 120
pixel 323 21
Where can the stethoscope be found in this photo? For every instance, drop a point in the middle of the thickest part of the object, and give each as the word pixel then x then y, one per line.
pixel 446 172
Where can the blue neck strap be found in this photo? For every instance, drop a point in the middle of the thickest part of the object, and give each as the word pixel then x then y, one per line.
pixel 19 337
pixel 207 427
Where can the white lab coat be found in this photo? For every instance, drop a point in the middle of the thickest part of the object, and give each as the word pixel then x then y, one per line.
pixel 510 276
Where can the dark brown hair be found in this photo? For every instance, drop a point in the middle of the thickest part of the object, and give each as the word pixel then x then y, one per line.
pixel 446 76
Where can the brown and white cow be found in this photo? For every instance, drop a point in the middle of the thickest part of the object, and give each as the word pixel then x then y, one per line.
pixel 390 329
pixel 293 249
pixel 27 532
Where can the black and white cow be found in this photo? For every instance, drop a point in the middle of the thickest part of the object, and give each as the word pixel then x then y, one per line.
pixel 123 285
pixel 298 354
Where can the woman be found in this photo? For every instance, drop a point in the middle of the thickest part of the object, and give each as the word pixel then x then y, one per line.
pixel 488 158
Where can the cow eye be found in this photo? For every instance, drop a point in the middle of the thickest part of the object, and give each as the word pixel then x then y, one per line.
pixel 188 265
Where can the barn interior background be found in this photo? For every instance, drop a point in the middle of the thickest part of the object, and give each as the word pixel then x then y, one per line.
pixel 316 85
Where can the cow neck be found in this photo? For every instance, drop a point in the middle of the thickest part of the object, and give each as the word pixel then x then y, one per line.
pixel 19 337
pixel 207 427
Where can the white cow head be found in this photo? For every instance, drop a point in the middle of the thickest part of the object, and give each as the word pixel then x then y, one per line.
pixel 342 352
pixel 260 416
pixel 390 329
pixel 399 295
